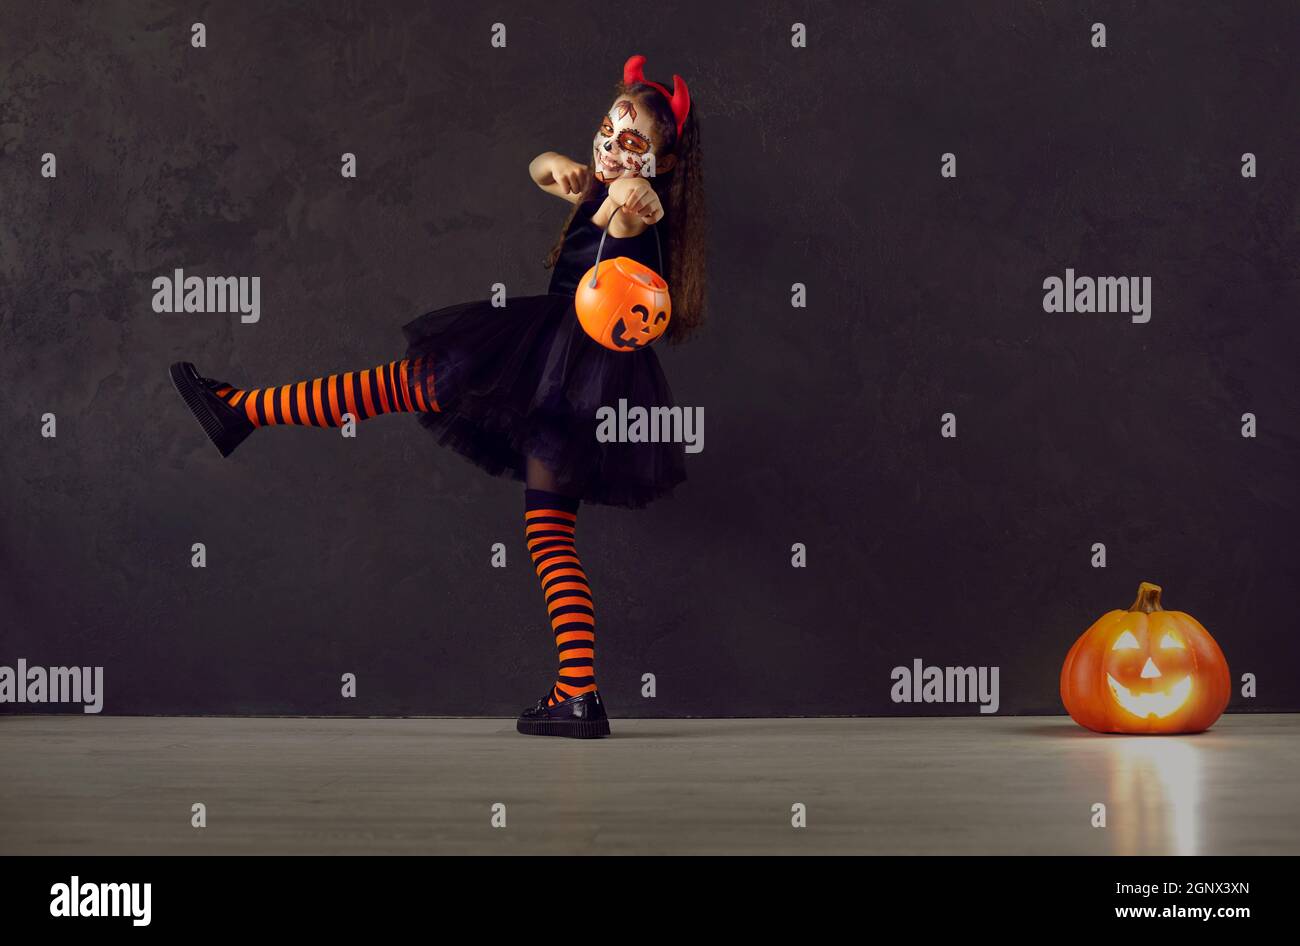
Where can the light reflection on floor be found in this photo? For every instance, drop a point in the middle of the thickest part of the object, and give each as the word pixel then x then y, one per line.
pixel 1155 794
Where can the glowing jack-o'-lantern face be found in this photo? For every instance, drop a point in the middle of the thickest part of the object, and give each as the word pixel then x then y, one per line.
pixel 627 308
pixel 1145 670
pixel 1150 691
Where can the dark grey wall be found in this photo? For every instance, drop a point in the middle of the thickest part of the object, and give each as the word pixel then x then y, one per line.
pixel 371 556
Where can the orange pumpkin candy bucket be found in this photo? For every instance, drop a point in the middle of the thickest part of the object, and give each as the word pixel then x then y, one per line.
pixel 621 303
pixel 1145 670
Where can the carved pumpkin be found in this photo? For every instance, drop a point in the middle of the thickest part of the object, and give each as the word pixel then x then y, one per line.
pixel 627 308
pixel 1145 670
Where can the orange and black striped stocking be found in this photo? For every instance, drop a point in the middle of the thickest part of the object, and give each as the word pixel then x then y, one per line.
pixel 549 521
pixel 396 387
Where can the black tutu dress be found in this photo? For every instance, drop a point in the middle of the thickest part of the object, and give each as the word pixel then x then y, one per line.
pixel 526 381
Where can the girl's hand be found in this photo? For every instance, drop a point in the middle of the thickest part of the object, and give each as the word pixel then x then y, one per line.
pixel 561 176
pixel 571 177
pixel 635 197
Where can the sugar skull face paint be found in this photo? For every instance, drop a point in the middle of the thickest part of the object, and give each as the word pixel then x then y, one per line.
pixel 625 141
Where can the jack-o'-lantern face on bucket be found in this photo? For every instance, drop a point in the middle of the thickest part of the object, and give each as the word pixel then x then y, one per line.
pixel 627 308
pixel 1145 670
pixel 638 327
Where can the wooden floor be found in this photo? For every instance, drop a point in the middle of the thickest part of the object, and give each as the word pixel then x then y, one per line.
pixel 1004 785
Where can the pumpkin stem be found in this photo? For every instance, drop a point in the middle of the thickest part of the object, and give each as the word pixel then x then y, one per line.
pixel 1148 598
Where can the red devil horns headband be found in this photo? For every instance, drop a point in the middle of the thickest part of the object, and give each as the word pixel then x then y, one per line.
pixel 679 97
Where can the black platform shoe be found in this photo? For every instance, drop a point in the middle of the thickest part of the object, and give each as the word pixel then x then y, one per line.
pixel 579 717
pixel 225 426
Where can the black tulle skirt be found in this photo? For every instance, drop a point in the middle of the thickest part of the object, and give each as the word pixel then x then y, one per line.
pixel 526 381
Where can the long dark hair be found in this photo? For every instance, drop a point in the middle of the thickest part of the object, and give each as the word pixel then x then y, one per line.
pixel 681 191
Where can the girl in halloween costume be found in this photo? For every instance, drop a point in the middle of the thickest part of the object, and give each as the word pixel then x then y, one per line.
pixel 516 389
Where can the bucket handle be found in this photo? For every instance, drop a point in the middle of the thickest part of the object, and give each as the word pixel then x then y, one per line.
pixel 600 248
